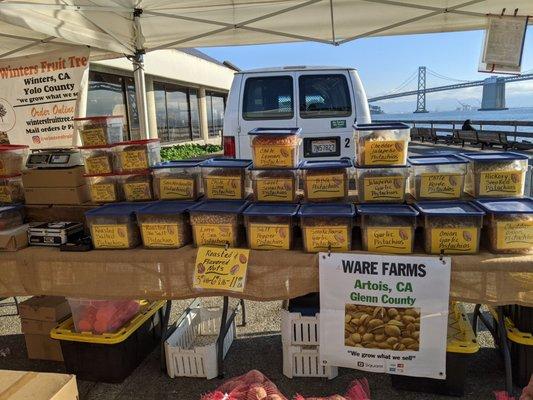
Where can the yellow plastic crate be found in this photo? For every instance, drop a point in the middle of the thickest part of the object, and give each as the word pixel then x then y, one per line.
pixel 65 330
pixel 461 338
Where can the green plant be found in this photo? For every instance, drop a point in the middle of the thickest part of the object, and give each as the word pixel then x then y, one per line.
pixel 186 151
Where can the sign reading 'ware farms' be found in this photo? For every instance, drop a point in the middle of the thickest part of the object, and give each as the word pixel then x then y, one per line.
pixel 384 313
pixel 39 95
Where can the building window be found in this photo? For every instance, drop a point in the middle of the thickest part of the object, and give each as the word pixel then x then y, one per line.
pixel 216 103
pixel 195 116
pixel 268 98
pixel 324 96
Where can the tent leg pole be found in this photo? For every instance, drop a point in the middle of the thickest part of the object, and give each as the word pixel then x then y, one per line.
pixel 140 94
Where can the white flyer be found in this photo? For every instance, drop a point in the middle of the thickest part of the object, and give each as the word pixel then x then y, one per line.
pixel 385 314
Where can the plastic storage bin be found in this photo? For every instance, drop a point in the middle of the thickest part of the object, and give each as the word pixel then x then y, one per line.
pixel 451 227
pixel 509 224
pixel 177 180
pixel 100 131
pixel 387 228
pixel 300 330
pixel 275 185
pixel 461 345
pixel 217 222
pixel 304 361
pixel 137 155
pixel 496 174
pixel 381 184
pixel 12 159
pixel 164 224
pixel 104 188
pixel 11 216
pixel 275 147
pixel 136 186
pixel 438 177
pixel 326 227
pixel 110 357
pixel 11 189
pixel 98 159
pixel 225 179
pixel 382 144
pixel 114 226
pixel 101 316
pixel 326 180
pixel 269 226
pixel 191 350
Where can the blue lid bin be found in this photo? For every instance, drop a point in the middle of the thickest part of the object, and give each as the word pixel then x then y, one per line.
pixel 114 226
pixel 509 224
pixel 217 222
pixel 387 228
pixel 451 227
pixel 382 184
pixel 437 177
pixel 326 226
pixel 382 144
pixel 269 226
pixel 275 185
pixel 225 179
pixel 177 180
pixel 326 181
pixel 164 224
pixel 496 174
pixel 275 147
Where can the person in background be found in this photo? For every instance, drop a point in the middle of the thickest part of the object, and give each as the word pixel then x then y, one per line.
pixel 467 126
pixel 527 393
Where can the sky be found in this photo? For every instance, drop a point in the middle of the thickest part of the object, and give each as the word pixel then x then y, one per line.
pixel 384 63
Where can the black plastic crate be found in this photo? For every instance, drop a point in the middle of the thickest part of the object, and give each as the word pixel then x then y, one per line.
pixel 111 358
pixel 521 349
pixel 521 316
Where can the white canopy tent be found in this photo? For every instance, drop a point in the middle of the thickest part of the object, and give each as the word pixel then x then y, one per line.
pixel 134 27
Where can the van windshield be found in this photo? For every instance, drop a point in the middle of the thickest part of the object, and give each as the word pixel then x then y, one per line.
pixel 323 96
pixel 268 98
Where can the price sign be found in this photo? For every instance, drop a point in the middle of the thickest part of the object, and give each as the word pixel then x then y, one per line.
pixel 218 268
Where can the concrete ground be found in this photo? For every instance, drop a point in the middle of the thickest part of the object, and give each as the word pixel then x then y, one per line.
pixel 258 346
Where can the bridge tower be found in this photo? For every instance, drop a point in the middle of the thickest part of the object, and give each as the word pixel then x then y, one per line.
pixel 421 92
pixel 493 94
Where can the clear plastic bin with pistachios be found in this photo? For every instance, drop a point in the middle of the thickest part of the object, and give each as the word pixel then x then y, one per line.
pixel 387 228
pixel 177 180
pixel 217 222
pixel 105 188
pixel 225 178
pixel 326 181
pixel 437 177
pixel 500 174
pixel 136 186
pixel 275 147
pixel 137 155
pixel 98 159
pixel 11 189
pixel 12 159
pixel 385 184
pixel 382 143
pixel 269 226
pixel 275 185
pixel 100 130
pixel 451 227
pixel 509 224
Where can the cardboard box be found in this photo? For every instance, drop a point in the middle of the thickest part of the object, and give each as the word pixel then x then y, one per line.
pixel 14 239
pixel 54 177
pixel 43 347
pixel 44 308
pixel 56 195
pixel 22 385
pixel 36 327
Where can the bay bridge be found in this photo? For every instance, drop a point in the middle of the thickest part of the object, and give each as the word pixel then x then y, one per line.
pixel 493 97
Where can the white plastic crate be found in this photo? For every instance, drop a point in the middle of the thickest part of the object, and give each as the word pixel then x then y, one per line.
pixel 185 359
pixel 299 330
pixel 304 361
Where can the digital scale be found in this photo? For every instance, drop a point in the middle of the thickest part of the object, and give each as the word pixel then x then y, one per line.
pixel 54 158
pixel 54 233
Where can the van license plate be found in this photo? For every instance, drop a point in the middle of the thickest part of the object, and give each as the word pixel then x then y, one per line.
pixel 324 146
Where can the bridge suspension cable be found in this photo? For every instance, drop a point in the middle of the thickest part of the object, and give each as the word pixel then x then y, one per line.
pixel 410 79
pixel 447 78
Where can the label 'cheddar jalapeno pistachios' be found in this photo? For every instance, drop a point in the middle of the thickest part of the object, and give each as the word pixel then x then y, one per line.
pixel 384 152
pixel 514 235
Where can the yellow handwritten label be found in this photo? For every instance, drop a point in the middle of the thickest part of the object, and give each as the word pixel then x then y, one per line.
pixel 5 194
pixel 221 269
pixel 325 186
pixel 273 156
pixel 384 152
pixel 324 238
pixel 103 192
pixel 504 183
pixel 137 191
pixel 214 235
pixel 133 160
pixel 514 235
pixel 219 187
pixel 454 240
pixel 386 188
pixel 93 137
pixel 98 165
pixel 176 188
pixel 269 236
pixel 110 236
pixel 161 235
pixel 440 186
pixel 275 189
pixel 390 240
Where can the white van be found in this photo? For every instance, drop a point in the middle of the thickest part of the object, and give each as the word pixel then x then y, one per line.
pixel 323 101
